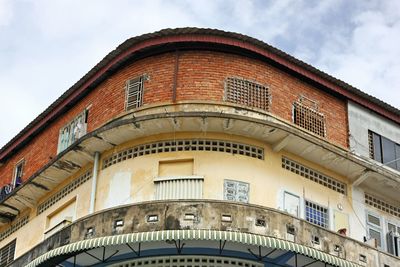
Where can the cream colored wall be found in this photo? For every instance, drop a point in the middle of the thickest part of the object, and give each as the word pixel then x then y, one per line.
pixel 32 233
pixel 132 181
pixel 267 179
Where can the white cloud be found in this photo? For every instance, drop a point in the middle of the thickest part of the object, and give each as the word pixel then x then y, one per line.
pixel 54 43
pixel 6 12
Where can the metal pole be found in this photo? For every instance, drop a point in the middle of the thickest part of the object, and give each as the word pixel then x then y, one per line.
pixel 94 181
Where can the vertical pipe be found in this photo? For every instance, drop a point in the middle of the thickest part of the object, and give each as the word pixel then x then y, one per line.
pixel 94 181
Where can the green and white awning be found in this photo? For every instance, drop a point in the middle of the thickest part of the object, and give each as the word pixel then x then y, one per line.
pixel 210 235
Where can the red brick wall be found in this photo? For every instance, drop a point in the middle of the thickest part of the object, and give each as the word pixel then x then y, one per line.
pixel 201 77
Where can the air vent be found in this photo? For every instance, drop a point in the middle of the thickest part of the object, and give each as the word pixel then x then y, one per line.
pixel 14 227
pixel 313 175
pixel 247 93
pixel 382 205
pixel 185 145
pixel 309 119
pixel 63 192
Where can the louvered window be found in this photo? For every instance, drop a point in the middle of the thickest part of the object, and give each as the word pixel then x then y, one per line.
pixel 307 116
pixel 72 131
pixel 190 187
pixel 236 191
pixel 7 253
pixel 247 93
pixel 134 93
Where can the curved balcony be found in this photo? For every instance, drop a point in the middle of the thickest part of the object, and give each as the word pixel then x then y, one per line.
pixel 207 227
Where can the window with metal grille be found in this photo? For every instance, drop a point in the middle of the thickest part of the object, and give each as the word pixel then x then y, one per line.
pixel 236 191
pixel 63 192
pixel 382 205
pixel 317 214
pixel 189 261
pixel 72 131
pixel 309 118
pixel 7 253
pixel 134 93
pixel 384 150
pixel 314 175
pixel 185 145
pixel 14 227
pixel 247 93
pixel 179 187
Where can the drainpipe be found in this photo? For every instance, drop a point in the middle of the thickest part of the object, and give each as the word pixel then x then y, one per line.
pixel 94 181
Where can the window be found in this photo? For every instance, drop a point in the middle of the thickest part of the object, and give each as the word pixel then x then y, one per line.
pixel 317 214
pixel 247 93
pixel 74 130
pixel 179 187
pixel 7 253
pixel 291 204
pixel 384 150
pixel 18 172
pixel 374 228
pixel 236 191
pixel 134 93
pixel 393 238
pixel 307 116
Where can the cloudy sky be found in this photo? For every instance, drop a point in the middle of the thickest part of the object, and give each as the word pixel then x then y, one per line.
pixel 47 45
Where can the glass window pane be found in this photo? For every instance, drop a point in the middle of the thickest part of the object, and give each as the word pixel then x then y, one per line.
pixel 377 147
pixel 377 235
pixel 398 157
pixel 388 152
pixel 374 220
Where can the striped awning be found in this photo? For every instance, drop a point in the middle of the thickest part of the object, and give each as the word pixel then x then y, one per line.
pixel 211 235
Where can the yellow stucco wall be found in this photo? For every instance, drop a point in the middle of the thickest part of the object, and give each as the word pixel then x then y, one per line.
pixel 132 181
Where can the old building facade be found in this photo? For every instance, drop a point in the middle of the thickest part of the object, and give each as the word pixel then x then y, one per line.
pixel 198 147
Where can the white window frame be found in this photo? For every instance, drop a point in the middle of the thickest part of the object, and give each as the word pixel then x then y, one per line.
pixel 134 88
pixel 72 131
pixel 21 164
pixel 327 224
pixel 396 235
pixel 299 211
pixel 375 227
pixel 237 183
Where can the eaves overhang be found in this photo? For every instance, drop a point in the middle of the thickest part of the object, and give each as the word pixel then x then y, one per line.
pixel 218 38
pixel 200 118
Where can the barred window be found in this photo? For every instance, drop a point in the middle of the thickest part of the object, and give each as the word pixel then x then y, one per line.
pixel 247 93
pixel 7 253
pixel 134 93
pixel 308 117
pixel 317 214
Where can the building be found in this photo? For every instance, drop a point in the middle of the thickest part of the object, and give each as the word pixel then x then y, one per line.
pixel 199 147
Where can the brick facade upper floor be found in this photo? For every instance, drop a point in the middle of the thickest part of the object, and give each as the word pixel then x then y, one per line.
pixel 196 75
pixel 175 74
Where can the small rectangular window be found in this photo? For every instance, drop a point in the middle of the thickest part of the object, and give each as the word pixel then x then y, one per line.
pixel 18 172
pixel 374 230
pixel 317 214
pixel 236 191
pixel 384 150
pixel 7 253
pixel 72 131
pixel 134 93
